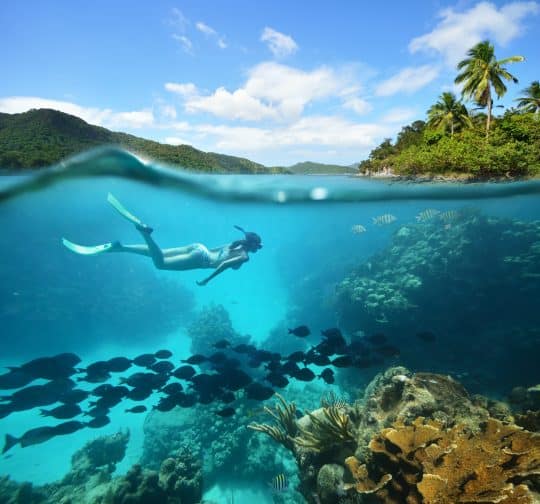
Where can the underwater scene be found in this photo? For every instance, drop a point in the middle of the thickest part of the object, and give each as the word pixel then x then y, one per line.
pixel 170 337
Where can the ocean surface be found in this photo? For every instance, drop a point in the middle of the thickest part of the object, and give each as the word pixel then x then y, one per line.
pixel 458 261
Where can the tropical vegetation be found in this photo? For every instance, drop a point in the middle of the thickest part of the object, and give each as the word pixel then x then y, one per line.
pixel 467 142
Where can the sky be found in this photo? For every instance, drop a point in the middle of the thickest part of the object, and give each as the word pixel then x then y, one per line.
pixel 277 82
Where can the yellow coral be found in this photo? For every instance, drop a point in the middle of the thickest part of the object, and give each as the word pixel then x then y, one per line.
pixel 449 466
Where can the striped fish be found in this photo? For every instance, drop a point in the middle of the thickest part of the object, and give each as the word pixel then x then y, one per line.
pixel 358 229
pixel 280 483
pixel 449 215
pixel 427 214
pixel 384 219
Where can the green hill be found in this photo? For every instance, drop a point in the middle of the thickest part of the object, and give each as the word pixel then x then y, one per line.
pixel 311 168
pixel 41 137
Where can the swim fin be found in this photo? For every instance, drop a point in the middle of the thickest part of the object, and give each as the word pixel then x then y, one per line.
pixel 123 211
pixel 81 249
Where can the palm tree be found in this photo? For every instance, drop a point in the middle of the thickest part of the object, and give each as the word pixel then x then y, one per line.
pixel 448 113
pixel 531 101
pixel 480 72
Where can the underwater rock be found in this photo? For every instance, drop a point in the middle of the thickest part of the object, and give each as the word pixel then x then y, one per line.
pixel 181 478
pixel 136 487
pixel 99 455
pixel 330 482
pixel 12 492
pixel 210 325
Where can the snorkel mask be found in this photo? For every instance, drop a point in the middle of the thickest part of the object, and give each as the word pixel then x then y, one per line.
pixel 253 239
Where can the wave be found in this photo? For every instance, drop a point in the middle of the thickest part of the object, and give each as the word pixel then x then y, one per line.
pixel 115 162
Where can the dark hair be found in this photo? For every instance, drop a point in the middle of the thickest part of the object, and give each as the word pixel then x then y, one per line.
pixel 251 242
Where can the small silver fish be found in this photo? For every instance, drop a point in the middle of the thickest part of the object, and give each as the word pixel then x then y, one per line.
pixel 280 483
pixel 427 214
pixel 384 219
pixel 358 229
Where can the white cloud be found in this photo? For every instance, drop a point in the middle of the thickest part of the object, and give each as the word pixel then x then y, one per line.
pixel 408 80
pixel 185 43
pixel 271 91
pixel 187 89
pixel 204 28
pixel 101 117
pixel 236 105
pixel 176 141
pixel 399 115
pixel 457 32
pixel 167 111
pixel 327 131
pixel 178 20
pixel 210 32
pixel 358 105
pixel 279 43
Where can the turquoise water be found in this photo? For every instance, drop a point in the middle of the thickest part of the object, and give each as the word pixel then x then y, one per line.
pixel 54 301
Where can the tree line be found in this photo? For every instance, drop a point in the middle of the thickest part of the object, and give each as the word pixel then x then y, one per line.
pixel 456 139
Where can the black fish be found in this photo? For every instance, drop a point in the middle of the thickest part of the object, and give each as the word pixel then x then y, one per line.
pixel 136 409
pixel 296 357
pixel 333 332
pixel 100 421
pixel 344 361
pixel 29 438
pixel 166 404
pixel 388 351
pixel 227 397
pixel 300 331
pixel 138 380
pixel 74 396
pixel 304 374
pixel 377 339
pixel 327 375
pixel 363 362
pixel 277 380
pixel 162 367
pixel 163 354
pixel 184 372
pixel 290 368
pixel 102 390
pixel 196 359
pixel 235 379
pixel 95 377
pixel 63 412
pixel 320 360
pixel 15 379
pixel 144 360
pixel 172 388
pixel 68 427
pixel 38 395
pixel 97 412
pixel 207 384
pixel 217 358
pixel 244 349
pixel 226 412
pixel 187 401
pixel 221 344
pixel 97 368
pixel 426 336
pixel 118 364
pixel 51 368
pixel 258 392
pixel 139 393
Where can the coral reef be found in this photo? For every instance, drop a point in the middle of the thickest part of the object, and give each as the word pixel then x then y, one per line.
pixel 413 438
pixel 436 276
pixel 212 324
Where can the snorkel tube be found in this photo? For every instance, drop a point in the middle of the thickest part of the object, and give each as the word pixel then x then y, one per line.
pixel 253 239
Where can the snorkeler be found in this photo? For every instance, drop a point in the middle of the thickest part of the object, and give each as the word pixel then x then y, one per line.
pixel 194 256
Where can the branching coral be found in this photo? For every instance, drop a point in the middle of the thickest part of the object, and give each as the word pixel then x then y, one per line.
pixel 287 428
pixel 436 466
pixel 330 427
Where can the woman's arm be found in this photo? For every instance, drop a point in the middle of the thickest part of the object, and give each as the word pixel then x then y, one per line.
pixel 229 263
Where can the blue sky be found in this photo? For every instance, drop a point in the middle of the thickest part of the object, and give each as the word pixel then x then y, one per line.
pixel 277 82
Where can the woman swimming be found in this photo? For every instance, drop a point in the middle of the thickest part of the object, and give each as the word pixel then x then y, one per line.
pixel 194 256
